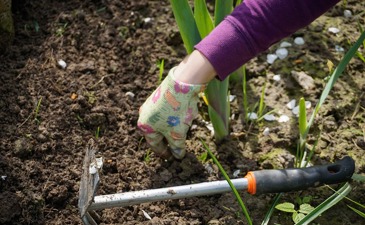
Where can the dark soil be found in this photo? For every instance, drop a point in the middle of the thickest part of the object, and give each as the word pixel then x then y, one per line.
pixel 48 114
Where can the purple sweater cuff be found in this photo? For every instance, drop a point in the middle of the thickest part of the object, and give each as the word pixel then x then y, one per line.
pixel 253 27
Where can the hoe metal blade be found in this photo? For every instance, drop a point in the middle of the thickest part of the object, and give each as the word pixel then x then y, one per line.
pixel 89 184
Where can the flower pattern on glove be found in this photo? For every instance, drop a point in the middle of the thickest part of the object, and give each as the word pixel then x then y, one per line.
pixel 181 88
pixel 173 121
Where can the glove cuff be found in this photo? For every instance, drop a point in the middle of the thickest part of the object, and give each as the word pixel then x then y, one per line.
pixel 177 87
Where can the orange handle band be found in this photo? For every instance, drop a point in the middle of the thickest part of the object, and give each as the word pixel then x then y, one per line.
pixel 251 183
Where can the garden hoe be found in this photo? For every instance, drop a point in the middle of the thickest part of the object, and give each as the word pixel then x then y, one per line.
pixel 256 182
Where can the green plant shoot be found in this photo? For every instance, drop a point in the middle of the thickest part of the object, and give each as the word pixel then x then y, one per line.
pixel 234 190
pixel 161 68
pixel 193 27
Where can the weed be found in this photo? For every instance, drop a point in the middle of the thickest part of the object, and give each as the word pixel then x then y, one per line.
pixel 91 98
pixel 61 30
pixel 97 133
pixel 161 67
pixel 297 214
pixel 203 157
pixel 147 156
pixel 123 32
pixel 78 117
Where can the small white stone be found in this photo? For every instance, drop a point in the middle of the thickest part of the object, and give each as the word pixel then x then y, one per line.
pixel 130 94
pixel 282 53
pixel 269 117
pixel 276 77
pixel 92 169
pixel 252 116
pixel 347 13
pixel 285 44
pixel 333 30
pixel 99 162
pixel 299 41
pixel 209 168
pixel 266 131
pixel 283 119
pixel 210 127
pixel 291 104
pixel 146 215
pixel 236 173
pixel 62 64
pixel 3 177
pixel 303 79
pixel 271 58
pixel 339 48
pixel 233 116
pixel 295 110
pixel 147 20
pixel 231 98
pixel 308 104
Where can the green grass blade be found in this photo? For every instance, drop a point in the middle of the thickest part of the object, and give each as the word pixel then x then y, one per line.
pixel 335 75
pixel 244 92
pixel 203 20
pixel 222 8
pixel 234 190
pixel 357 211
pixel 262 102
pixel 185 21
pixel 328 203
pixel 271 210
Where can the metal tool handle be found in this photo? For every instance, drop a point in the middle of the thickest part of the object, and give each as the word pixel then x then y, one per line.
pixel 275 181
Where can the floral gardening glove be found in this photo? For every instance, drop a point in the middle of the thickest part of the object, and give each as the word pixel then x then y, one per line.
pixel 167 115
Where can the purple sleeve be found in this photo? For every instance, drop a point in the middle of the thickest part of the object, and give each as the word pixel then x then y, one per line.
pixel 253 27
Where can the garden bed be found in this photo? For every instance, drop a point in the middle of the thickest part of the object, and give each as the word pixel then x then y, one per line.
pixel 111 47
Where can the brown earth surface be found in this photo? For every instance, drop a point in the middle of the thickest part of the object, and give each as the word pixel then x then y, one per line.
pixel 111 47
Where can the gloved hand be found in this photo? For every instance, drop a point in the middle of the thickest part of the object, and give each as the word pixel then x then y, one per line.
pixel 167 114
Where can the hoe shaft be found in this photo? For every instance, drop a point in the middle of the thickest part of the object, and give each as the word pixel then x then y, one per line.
pixel 185 191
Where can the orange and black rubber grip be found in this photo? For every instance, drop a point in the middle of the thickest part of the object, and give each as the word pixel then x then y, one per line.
pixel 286 180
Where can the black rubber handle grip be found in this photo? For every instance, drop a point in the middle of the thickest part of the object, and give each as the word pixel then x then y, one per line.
pixel 275 181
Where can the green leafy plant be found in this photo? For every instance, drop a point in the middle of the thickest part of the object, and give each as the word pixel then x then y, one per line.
pixel 327 204
pixel 297 214
pixel 193 27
